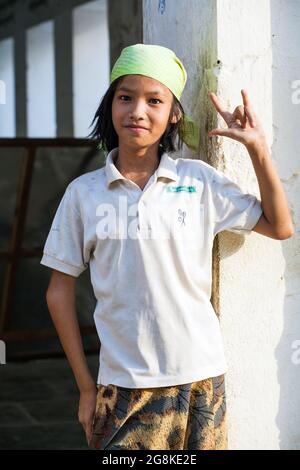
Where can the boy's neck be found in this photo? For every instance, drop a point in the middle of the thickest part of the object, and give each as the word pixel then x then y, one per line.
pixel 138 166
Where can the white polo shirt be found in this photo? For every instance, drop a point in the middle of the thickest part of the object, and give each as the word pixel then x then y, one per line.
pixel 150 258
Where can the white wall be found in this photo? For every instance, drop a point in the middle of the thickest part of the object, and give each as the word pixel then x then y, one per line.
pixel 188 28
pixel 41 116
pixel 259 276
pixel 261 327
pixel 7 91
pixel 285 22
pixel 90 62
pixel 251 292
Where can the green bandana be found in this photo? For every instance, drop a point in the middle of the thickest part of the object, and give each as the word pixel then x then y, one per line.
pixel 160 63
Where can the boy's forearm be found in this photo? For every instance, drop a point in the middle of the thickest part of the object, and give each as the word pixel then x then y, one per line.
pixel 273 198
pixel 63 312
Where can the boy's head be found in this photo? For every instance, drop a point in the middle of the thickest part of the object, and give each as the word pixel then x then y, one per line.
pixel 143 69
pixel 146 102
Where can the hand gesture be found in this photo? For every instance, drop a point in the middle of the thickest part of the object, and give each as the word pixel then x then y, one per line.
pixel 243 124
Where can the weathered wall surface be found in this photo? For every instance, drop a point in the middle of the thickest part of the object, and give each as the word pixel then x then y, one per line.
pixel 285 27
pixel 226 46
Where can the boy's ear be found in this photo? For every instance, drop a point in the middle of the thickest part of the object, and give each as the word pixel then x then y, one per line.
pixel 176 117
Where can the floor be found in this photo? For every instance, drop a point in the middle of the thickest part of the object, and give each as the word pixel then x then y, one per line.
pixel 39 405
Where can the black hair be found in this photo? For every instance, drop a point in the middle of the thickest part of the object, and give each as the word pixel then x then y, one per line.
pixel 104 130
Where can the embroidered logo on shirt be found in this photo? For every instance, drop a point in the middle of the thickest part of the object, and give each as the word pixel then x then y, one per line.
pixel 178 189
pixel 181 217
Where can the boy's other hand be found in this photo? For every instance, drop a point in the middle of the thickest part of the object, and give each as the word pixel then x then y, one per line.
pixel 86 411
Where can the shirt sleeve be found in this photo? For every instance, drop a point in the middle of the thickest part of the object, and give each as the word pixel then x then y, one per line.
pixel 64 247
pixel 234 210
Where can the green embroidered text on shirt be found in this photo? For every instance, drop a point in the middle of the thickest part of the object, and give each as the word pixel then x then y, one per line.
pixel 177 189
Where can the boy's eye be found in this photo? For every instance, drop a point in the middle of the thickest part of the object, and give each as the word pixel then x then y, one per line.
pixel 125 96
pixel 156 99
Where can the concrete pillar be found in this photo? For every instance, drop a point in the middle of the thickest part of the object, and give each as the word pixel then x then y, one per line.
pixel 125 23
pixel 226 46
pixel 63 73
pixel 20 81
pixel 285 150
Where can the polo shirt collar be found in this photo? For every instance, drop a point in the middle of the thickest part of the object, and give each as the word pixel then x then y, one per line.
pixel 167 168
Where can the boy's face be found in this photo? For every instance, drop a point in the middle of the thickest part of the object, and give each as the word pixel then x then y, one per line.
pixel 136 103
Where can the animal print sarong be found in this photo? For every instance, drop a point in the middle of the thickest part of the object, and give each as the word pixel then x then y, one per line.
pixel 179 417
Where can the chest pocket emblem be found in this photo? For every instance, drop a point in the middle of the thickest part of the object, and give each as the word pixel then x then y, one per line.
pixel 181 216
pixel 178 189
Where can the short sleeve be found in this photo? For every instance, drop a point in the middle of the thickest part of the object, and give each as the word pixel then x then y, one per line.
pixel 64 247
pixel 233 209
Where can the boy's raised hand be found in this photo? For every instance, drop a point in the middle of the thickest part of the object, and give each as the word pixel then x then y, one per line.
pixel 243 124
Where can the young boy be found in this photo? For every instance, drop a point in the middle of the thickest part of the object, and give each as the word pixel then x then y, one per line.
pixel 145 225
